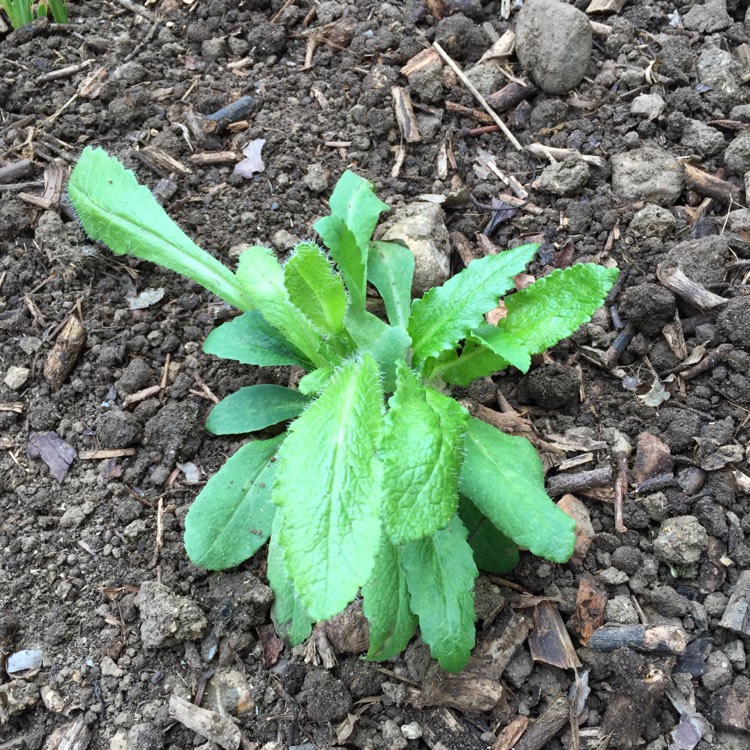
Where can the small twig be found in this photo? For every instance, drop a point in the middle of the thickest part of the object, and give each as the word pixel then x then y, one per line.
pixel 622 450
pixel 469 85
pixel 65 72
pixel 139 9
pixel 159 533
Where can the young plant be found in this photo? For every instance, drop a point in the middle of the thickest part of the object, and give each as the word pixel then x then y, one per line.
pixel 22 12
pixel 382 484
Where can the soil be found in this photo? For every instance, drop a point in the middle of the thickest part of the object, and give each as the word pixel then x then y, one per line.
pixel 84 547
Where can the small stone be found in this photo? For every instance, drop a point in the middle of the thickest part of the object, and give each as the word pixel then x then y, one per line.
pixel 166 618
pixel 620 609
pixel 145 737
pixel 719 671
pixel 715 603
pixel 730 706
pixel 649 307
pixel 737 155
pixel 564 178
pixel 647 105
pixel 708 18
pixel 653 220
pixel 411 731
pixel 702 139
pixel 136 376
pixel 392 737
pixel 719 70
pixel 316 179
pixel 612 576
pixel 666 601
pixel 118 429
pixel 734 321
pixel 553 42
pixel 16 377
pixel 21 661
pixel 110 669
pixel 229 693
pixel 681 541
pixel 648 174
pixel 212 49
pixel 735 651
pixel 486 79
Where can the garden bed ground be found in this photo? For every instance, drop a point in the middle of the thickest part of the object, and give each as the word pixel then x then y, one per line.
pixel 663 80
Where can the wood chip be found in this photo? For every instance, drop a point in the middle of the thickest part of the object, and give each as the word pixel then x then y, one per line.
pixel 62 358
pixel 421 60
pixel 654 639
pixel 507 739
pixel 161 162
pixel 652 459
pixel 407 122
pixel 561 154
pixel 589 614
pixel 696 294
pixel 549 642
pixel 105 453
pixel 547 726
pixel 711 186
pixel 215 157
pixel 214 727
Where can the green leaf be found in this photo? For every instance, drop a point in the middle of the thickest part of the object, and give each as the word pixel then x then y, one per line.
pixel 510 349
pixel 503 476
pixel 314 382
pixel 493 551
pixel 421 455
pixel 249 339
pixel 114 209
pixel 390 268
pixel 328 490
pixel 315 289
pixel 231 517
pixel 291 619
pixel 346 232
pixel 440 573
pixel 255 407
pixel 261 274
pixel 387 344
pixel 386 605
pixel 447 313
pixel 475 361
pixel 549 310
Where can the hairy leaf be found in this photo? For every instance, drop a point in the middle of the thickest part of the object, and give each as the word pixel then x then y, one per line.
pixel 114 209
pixel 421 456
pixel 328 491
pixel 386 605
pixel 475 361
pixel 440 573
pixel 447 313
pixel 503 476
pixel 254 407
pixel 314 382
pixel 231 518
pixel 249 339
pixel 493 551
pixel 549 310
pixel 390 268
pixel 508 348
pixel 261 274
pixel 315 289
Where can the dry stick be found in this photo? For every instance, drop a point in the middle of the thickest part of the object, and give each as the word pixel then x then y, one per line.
pixel 469 85
pixel 65 72
pixel 139 9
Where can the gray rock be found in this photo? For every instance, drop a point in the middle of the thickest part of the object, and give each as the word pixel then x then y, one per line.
pixel 647 105
pixel 228 692
pixel 719 671
pixel 702 139
pixel 553 42
pixel 427 83
pixel 392 737
pixel 648 174
pixel 653 220
pixel 737 155
pixel 620 609
pixel 740 112
pixel 117 429
pixel 519 668
pixel 681 541
pixel 145 737
pixel 316 179
pixel 734 321
pixel 486 78
pixel 649 307
pixel 166 617
pixel 564 178
pixel 129 73
pixel 708 18
pixel 422 228
pixel 137 375
pixel 612 576
pixel 703 260
pixel 666 601
pixel 212 49
pixel 719 70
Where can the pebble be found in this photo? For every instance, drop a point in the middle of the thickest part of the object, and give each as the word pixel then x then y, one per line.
pixel 737 154
pixel 316 179
pixel 653 220
pixel 666 601
pixel 718 69
pixel 620 609
pixel 612 576
pixel 564 178
pixel 708 18
pixel 110 669
pixel 166 618
pixel 16 377
pixel 411 731
pixel 648 174
pixel 681 541
pixel 553 42
pixel 21 661
pixel 702 139
pixel 647 105
pixel 719 671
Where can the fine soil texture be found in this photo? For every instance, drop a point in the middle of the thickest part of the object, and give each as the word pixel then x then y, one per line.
pixel 627 144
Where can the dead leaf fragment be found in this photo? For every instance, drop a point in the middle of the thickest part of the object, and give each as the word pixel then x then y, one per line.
pixel 253 162
pixel 549 642
pixel 656 395
pixel 589 614
pixel 53 450
pixel 64 354
pixel 145 299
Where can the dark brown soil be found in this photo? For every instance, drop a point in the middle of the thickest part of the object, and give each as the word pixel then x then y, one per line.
pixel 75 552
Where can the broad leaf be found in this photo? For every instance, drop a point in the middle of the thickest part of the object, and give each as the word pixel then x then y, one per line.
pixel 249 339
pixel 261 274
pixel 503 476
pixel 421 455
pixel 493 551
pixel 447 313
pixel 329 492
pixel 549 310
pixel 390 268
pixel 315 289
pixel 346 232
pixel 440 573
pixel 114 209
pixel 386 605
pixel 508 348
pixel 231 517
pixel 475 361
pixel 289 615
pixel 314 382
pixel 255 407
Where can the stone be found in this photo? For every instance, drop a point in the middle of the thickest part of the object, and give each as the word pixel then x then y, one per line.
pixel 702 139
pixel 648 174
pixel 16 377
pixel 213 49
pixel 708 18
pixel 411 731
pixel 118 429
pixel 719 672
pixel 486 79
pixel 145 737
pixel 316 179
pixel 553 43
pixel 719 70
pixel 649 307
pixel 228 692
pixel 681 541
pixel 564 178
pixel 109 668
pixel 620 609
pixel 734 321
pixel 737 155
pixel 167 618
pixel 612 576
pixel 647 105
pixel 136 376
pixel 653 220
pixel 421 226
pixel 730 706
pixel 392 737
pixel 666 601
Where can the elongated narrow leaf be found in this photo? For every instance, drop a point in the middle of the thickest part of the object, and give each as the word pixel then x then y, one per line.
pixel 315 289
pixel 493 551
pixel 255 407
pixel 386 605
pixel 475 361
pixel 421 455
pixel 347 231
pixel 291 619
pixel 249 339
pixel 503 476
pixel 508 348
pixel 440 573
pixel 261 274
pixel 447 313
pixel 231 518
pixel 329 492
pixel 549 310
pixel 114 209
pixel 390 268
